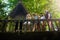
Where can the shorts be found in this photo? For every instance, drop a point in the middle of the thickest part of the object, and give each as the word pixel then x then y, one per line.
pixel 27 22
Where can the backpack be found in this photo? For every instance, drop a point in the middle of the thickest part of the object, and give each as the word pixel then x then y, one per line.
pixel 46 15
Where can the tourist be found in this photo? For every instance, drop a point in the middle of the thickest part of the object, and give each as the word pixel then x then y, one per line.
pixel 48 16
pixel 35 22
pixel 27 22
pixel 42 22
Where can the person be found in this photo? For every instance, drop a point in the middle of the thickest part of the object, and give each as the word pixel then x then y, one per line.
pixel 42 22
pixel 28 17
pixel 16 26
pixel 35 22
pixel 38 24
pixel 49 16
pixel 42 17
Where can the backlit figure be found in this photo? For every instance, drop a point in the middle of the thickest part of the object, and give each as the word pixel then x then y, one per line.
pixel 28 17
pixel 35 22
pixel 48 16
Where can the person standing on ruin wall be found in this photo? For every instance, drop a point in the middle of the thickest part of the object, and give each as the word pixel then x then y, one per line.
pixel 35 22
pixel 28 17
pixel 42 22
pixel 49 16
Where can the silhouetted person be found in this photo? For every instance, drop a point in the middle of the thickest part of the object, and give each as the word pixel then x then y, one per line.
pixel 27 23
pixel 21 24
pixel 48 16
pixel 35 22
pixel 16 26
pixel 43 22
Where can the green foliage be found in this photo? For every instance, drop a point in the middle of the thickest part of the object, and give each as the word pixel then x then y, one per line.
pixel 12 3
pixel 36 6
pixel 5 8
pixel 2 12
pixel 32 6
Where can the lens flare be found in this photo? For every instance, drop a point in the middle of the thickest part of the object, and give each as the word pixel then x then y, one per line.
pixel 57 5
pixel 56 8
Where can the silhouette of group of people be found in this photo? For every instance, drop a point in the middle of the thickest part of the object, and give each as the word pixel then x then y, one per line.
pixel 37 22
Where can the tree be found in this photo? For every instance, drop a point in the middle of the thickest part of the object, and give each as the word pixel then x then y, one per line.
pixel 6 7
pixel 2 12
pixel 32 6
pixel 38 6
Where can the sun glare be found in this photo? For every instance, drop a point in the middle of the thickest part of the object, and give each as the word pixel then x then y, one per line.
pixel 57 5
pixel 56 8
